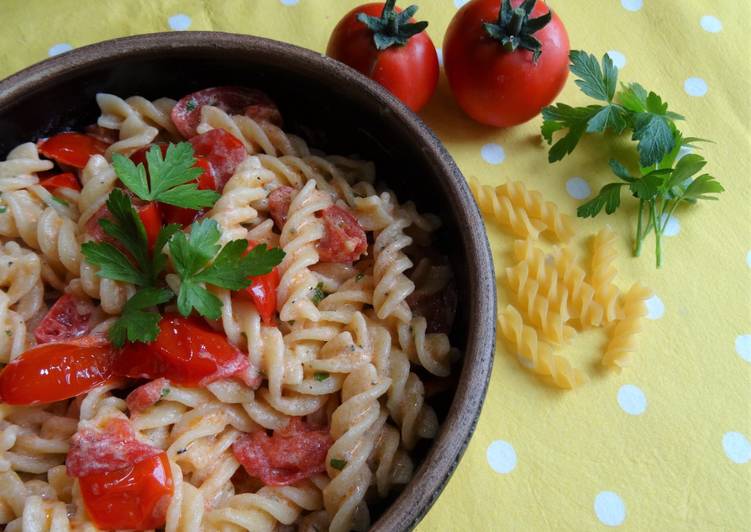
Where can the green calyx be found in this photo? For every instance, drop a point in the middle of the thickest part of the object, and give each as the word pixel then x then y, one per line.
pixel 514 28
pixel 392 28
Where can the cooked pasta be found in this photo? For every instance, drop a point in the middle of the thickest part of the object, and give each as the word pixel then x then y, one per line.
pixel 624 333
pixel 305 398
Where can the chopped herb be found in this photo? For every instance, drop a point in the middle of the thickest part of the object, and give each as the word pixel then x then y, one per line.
pixel 318 294
pixel 191 105
pixel 338 464
pixel 8 332
pixel 3 209
pixel 320 376
pixel 359 276
pixel 165 393
pixel 61 201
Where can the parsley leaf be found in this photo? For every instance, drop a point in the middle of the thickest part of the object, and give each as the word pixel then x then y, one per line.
pixel 136 324
pixel 599 83
pixel 318 294
pixel 3 209
pixel 655 137
pixel 609 197
pixel 172 177
pixel 338 464
pixel 562 116
pixel 320 376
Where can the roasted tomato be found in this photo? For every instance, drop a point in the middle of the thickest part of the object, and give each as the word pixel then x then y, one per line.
pixel 262 291
pixel 504 60
pixel 223 151
pixel 289 455
pixel 53 372
pixel 72 149
pixel 70 317
pixel 147 394
pixel 186 115
pixel 343 239
pixel 279 201
pixel 64 180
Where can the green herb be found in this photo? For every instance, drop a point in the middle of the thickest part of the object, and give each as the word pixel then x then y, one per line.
pixel 320 376
pixel 392 27
pixel 191 105
pixel 3 209
pixel 165 393
pixel 359 277
pixel 318 294
pixel 230 268
pixel 8 332
pixel 338 464
pixel 664 180
pixel 61 201
pixel 136 324
pixel 171 179
pixel 514 27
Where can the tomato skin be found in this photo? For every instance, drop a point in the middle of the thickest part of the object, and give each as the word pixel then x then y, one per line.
pixel 262 291
pixel 186 351
pixel 223 151
pixel 279 201
pixel 344 240
pixel 57 371
pixel 64 180
pixel 410 72
pixel 72 149
pixel 497 87
pixel 133 498
pixel 68 318
pixel 152 222
pixel 147 395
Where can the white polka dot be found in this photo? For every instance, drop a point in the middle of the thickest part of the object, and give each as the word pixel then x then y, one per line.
pixel 58 49
pixel 290 2
pixel 743 346
pixel 632 399
pixel 609 508
pixel 619 60
pixel 179 22
pixel 711 24
pixel 655 308
pixel 695 87
pixel 748 259
pixel 577 188
pixel 737 447
pixel 501 456
pixel 493 153
pixel 459 3
pixel 439 53
pixel 632 5
pixel 673 227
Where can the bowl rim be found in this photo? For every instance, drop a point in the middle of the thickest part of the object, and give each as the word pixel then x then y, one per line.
pixel 447 448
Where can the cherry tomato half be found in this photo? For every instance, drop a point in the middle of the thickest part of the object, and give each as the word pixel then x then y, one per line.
pixel 223 152
pixel 72 149
pixel 133 498
pixel 262 291
pixel 343 239
pixel 53 372
pixel 152 221
pixel 186 352
pixel 68 318
pixel 497 86
pixel 409 71
pixel 64 180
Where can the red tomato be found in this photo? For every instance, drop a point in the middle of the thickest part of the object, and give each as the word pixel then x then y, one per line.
pixel 139 156
pixel 146 395
pixel 152 222
pixel 102 134
pixel 186 115
pixel 64 180
pixel 223 151
pixel 343 239
pixel 133 498
pixel 408 68
pixel 290 455
pixel 53 372
pixel 103 451
pixel 262 291
pixel 69 317
pixel 279 201
pixel 186 352
pixel 72 149
pixel 495 85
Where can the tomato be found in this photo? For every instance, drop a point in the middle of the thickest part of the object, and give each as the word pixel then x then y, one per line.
pixel 64 180
pixel 404 63
pixel 186 115
pixel 186 351
pixel 288 456
pixel 493 83
pixel 102 134
pixel 279 201
pixel 146 395
pixel 262 291
pixel 438 309
pixel 69 317
pixel 132 498
pixel 152 222
pixel 223 152
pixel 343 238
pixel 57 371
pixel 105 450
pixel 72 149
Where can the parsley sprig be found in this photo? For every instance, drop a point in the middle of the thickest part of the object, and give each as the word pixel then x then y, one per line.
pixel 198 257
pixel 664 179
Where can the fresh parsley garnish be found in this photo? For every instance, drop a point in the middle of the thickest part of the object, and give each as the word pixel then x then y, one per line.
pixel 192 257
pixel 136 323
pixel 318 294
pixel 320 376
pixel 171 179
pixel 338 464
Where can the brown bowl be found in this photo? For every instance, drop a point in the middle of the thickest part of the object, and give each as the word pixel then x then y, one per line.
pixel 336 109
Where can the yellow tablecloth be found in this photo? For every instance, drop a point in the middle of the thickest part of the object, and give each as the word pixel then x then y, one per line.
pixel 665 444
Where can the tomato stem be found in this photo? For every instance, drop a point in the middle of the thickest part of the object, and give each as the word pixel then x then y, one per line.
pixel 392 28
pixel 514 27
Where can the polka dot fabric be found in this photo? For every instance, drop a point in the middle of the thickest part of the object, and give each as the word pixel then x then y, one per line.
pixel 664 445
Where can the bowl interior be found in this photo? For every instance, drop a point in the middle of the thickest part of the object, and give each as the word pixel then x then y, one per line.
pixel 336 111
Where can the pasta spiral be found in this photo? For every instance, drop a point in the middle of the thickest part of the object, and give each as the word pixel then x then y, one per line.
pixel 623 338
pixel 137 120
pixel 511 217
pixel 558 225
pixel 603 273
pixel 391 285
pixel 582 303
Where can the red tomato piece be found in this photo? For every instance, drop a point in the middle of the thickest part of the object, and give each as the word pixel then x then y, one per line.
pixel 279 202
pixel 64 180
pixel 152 222
pixel 409 71
pixel 104 451
pixel 58 371
pixel 186 115
pixel 102 134
pixel 72 149
pixel 343 239
pixel 437 309
pixel 249 376
pixel 186 352
pixel 146 395
pixel 288 456
pixel 262 291
pixel 223 151
pixel 139 156
pixel 496 86
pixel 69 317
pixel 133 498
